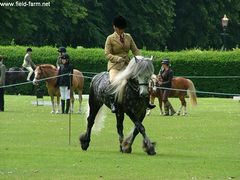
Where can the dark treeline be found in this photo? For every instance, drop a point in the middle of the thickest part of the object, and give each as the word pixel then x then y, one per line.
pixel 154 24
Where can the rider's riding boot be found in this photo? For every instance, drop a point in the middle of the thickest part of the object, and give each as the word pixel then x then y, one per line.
pixel 63 105
pixel 151 106
pixel 112 103
pixel 68 106
pixel 166 109
pixel 171 109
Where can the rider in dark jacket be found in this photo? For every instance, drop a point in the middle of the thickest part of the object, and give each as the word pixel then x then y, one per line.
pixel 166 74
pixel 64 81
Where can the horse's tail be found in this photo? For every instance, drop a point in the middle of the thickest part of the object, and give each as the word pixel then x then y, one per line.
pixel 192 93
pixel 99 119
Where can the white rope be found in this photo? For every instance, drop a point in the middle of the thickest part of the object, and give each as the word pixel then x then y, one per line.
pixel 200 92
pixel 88 77
pixel 211 77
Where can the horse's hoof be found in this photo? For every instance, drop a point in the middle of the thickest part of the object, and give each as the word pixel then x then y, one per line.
pixel 127 150
pixel 121 150
pixel 149 147
pixel 53 112
pixel 57 112
pixel 126 147
pixel 84 142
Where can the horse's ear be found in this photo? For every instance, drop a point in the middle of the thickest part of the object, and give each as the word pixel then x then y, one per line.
pixel 136 59
pixel 151 58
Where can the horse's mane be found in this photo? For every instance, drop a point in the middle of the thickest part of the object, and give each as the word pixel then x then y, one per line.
pixel 137 66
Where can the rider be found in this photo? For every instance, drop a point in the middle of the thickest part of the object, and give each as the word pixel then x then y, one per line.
pixel 62 51
pixel 28 64
pixel 117 48
pixel 2 83
pixel 166 74
pixel 64 81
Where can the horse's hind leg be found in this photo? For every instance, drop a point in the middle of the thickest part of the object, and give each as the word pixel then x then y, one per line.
pixel 94 108
pixel 80 101
pixel 160 105
pixel 53 104
pixel 72 101
pixel 183 105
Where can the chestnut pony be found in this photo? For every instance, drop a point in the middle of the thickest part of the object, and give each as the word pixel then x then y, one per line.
pixel 47 71
pixel 180 83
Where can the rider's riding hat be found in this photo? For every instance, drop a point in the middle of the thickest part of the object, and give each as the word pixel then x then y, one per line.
pixel 29 49
pixel 120 22
pixel 62 50
pixel 166 61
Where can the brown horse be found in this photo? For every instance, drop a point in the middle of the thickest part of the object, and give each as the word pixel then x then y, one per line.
pixel 50 72
pixel 180 83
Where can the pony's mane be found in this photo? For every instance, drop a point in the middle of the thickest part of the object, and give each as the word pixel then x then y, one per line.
pixel 137 66
pixel 48 66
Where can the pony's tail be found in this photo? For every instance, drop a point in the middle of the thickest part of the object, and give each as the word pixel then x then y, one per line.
pixel 99 119
pixel 192 93
pixel 120 91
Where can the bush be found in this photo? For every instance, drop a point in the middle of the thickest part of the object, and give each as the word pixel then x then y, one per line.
pixel 184 63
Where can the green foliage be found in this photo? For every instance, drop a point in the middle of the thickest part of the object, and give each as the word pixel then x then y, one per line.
pixel 202 145
pixel 184 63
pixel 154 25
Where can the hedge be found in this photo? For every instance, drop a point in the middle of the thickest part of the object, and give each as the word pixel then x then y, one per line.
pixel 184 63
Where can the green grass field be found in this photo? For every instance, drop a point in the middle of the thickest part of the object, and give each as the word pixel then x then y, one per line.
pixel 205 144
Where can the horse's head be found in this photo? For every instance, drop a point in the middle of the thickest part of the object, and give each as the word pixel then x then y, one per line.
pixel 140 69
pixel 143 71
pixel 38 75
pixel 155 82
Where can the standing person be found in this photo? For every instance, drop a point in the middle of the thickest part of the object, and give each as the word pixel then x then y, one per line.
pixel 64 82
pixel 28 64
pixel 62 51
pixel 2 83
pixel 166 74
pixel 117 47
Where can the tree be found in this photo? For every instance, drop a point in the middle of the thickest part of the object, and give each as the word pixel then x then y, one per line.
pixel 198 24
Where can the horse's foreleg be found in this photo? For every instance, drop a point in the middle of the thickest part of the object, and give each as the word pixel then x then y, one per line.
pixel 160 105
pixel 151 102
pixel 148 146
pixel 53 104
pixel 180 110
pixel 120 118
pixel 57 105
pixel 127 143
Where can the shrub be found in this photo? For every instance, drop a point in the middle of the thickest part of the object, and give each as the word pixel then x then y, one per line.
pixel 184 63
